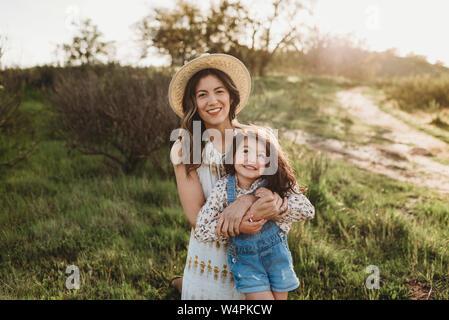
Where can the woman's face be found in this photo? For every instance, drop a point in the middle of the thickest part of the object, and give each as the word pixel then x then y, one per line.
pixel 250 158
pixel 213 101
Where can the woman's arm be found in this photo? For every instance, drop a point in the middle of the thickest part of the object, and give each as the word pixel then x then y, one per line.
pixel 189 186
pixel 268 205
pixel 263 209
pixel 190 192
pixel 228 224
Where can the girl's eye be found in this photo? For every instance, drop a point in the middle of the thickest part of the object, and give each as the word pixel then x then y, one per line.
pixel 262 158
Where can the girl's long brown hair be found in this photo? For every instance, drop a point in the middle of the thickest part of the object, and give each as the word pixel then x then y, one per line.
pixel 283 180
pixel 190 108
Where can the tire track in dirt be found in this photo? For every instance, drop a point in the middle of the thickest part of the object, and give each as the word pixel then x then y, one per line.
pixel 406 158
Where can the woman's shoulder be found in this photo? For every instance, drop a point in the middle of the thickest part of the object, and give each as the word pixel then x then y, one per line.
pixel 176 153
pixel 220 186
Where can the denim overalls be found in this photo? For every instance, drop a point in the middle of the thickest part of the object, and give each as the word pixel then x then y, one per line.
pixel 262 261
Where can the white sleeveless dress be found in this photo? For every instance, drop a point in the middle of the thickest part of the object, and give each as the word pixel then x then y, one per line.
pixel 206 274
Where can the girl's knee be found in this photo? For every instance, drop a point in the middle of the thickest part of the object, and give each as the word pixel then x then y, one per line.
pixel 262 295
pixel 280 295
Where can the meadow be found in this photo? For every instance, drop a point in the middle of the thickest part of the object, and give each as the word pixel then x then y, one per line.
pixel 128 234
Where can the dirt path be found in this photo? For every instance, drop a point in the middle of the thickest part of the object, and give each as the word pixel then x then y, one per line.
pixel 407 158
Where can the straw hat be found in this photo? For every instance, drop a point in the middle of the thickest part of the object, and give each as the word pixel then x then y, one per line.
pixel 232 66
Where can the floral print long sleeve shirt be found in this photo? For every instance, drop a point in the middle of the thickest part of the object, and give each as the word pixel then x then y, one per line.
pixel 299 208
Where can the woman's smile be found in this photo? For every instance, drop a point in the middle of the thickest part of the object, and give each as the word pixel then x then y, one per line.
pixel 214 111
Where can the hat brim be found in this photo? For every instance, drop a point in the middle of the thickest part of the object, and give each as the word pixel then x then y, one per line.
pixel 232 66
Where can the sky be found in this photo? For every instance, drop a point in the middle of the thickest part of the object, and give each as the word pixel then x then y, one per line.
pixel 34 28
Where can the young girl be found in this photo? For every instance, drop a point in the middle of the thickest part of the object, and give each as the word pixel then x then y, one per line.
pixel 261 262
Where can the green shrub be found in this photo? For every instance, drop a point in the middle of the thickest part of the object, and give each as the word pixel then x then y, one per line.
pixel 424 92
pixel 14 125
pixel 122 114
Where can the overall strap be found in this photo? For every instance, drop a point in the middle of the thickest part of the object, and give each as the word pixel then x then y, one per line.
pixel 262 184
pixel 230 189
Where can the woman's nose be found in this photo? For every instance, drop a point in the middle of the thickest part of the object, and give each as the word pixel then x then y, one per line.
pixel 212 100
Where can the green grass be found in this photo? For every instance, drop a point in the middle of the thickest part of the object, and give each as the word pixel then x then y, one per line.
pixel 128 234
pixel 307 103
pixel 125 233
pixel 366 219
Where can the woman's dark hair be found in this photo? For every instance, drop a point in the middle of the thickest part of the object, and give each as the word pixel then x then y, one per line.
pixel 190 109
pixel 283 180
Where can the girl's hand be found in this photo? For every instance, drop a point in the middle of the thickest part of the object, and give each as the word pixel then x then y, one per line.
pixel 230 218
pixel 248 227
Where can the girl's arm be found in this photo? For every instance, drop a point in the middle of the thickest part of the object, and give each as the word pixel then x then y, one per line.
pixel 299 209
pixel 206 221
pixel 189 188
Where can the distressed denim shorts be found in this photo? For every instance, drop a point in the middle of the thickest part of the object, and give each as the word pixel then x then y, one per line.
pixel 262 261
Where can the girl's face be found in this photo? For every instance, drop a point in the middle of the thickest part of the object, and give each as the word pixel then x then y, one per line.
pixel 213 101
pixel 250 158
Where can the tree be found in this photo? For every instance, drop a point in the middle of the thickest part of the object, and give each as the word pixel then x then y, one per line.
pixel 2 48
pixel 178 33
pixel 227 27
pixel 280 28
pixel 86 47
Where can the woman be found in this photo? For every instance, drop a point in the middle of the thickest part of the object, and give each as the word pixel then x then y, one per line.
pixel 211 90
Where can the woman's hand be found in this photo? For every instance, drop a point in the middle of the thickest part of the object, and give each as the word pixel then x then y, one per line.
pixel 247 226
pixel 231 217
pixel 269 206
